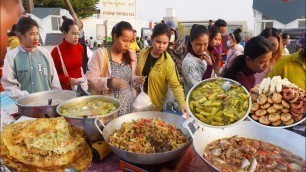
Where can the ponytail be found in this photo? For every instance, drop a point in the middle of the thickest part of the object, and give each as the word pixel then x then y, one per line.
pixel 118 30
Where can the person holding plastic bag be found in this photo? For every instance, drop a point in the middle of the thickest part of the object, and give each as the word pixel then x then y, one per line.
pixel 68 56
pixel 111 71
pixel 158 67
pixel 142 101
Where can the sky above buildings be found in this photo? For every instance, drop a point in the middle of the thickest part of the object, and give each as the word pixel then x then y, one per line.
pixel 231 10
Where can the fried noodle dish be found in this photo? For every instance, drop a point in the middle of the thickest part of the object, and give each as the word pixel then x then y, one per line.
pixel 45 144
pixel 240 154
pixel 148 136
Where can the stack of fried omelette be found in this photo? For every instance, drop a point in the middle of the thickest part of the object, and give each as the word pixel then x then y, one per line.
pixel 45 144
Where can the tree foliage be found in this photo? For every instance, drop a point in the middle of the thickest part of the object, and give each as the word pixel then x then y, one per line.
pixel 83 8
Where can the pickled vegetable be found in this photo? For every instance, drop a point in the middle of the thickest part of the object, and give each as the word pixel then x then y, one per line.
pixel 214 106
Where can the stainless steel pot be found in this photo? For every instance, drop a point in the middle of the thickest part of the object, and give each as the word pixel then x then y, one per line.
pixel 88 124
pixel 138 158
pixel 41 111
pixel 286 139
pixel 223 79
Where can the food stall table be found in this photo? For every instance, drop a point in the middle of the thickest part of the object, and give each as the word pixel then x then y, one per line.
pixel 111 163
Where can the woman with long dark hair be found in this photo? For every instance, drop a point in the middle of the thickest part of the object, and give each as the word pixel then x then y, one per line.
pixel 68 55
pixel 275 39
pixel 111 71
pixel 197 63
pixel 214 47
pixel 155 63
pixel 256 58
pixel 293 66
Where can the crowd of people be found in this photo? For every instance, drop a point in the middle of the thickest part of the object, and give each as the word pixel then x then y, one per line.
pixel 165 67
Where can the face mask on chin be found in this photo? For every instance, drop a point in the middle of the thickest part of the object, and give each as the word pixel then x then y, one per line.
pixel 288 42
pixel 172 38
pixel 229 44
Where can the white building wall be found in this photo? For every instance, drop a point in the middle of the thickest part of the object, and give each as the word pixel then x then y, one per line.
pixel 45 24
pixel 90 27
pixel 276 24
pixel 293 24
pixel 257 25
pixel 64 12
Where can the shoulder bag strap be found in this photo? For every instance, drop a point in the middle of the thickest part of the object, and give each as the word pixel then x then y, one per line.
pixel 105 62
pixel 62 61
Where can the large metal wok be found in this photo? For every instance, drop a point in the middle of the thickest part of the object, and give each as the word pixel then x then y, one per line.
pixel 286 139
pixel 153 158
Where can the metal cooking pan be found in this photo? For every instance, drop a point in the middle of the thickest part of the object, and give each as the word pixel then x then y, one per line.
pixel 42 110
pixel 286 139
pixel 88 123
pixel 138 158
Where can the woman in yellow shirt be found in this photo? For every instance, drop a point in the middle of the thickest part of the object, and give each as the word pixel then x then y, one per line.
pixel 293 66
pixel 155 63
pixel 14 40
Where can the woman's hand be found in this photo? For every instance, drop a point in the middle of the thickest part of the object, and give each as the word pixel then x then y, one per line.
pixel 119 83
pixel 207 58
pixel 74 81
pixel 184 111
pixel 140 80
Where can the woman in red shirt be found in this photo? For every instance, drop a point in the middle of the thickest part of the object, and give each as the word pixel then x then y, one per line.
pixel 215 48
pixel 71 52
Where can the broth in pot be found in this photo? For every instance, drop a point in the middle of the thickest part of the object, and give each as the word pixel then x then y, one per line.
pixel 245 154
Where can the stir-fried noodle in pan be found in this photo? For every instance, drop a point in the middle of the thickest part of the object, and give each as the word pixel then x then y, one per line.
pixel 148 136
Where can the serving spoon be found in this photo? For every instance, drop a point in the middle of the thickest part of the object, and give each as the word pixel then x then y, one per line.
pixel 226 86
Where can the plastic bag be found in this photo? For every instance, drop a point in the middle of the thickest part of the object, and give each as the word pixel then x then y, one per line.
pixel 82 89
pixel 142 101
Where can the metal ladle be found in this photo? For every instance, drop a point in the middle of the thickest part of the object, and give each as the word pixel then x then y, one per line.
pixel 226 86
pixel 87 108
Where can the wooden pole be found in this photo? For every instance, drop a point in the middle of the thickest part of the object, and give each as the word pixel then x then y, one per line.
pixel 29 5
pixel 73 14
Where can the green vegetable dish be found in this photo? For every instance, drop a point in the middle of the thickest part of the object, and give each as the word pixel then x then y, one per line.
pixel 214 106
pixel 88 109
